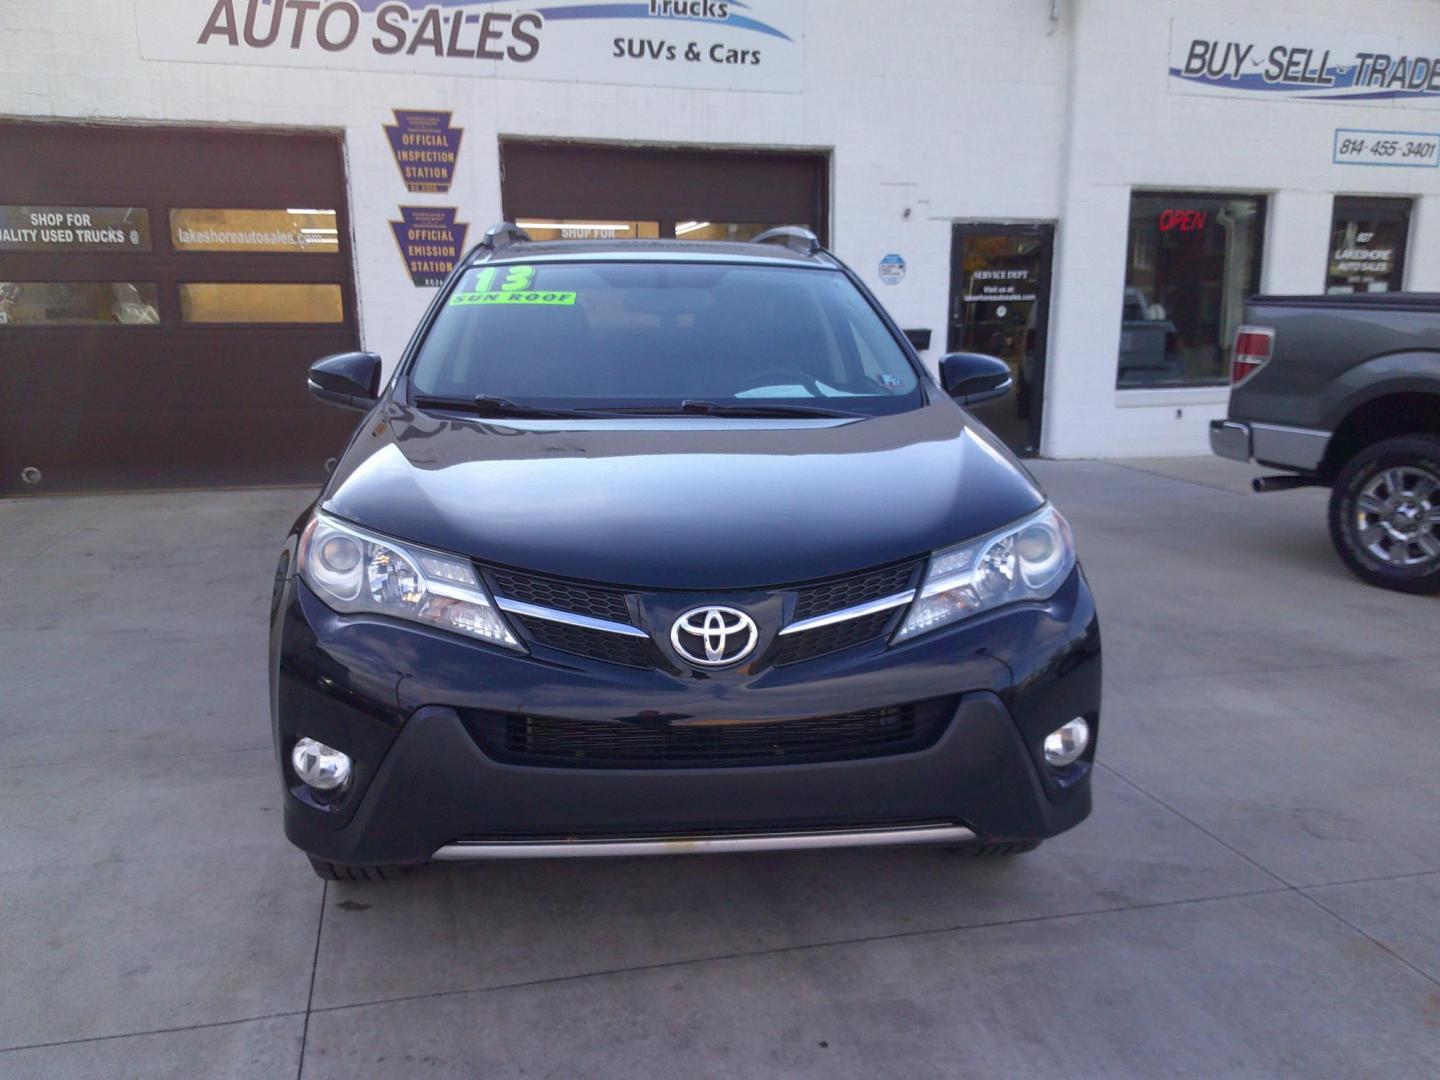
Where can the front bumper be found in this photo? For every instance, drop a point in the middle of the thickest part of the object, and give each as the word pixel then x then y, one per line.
pixel 394 697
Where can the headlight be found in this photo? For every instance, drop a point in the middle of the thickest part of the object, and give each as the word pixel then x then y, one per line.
pixel 1025 561
pixel 356 571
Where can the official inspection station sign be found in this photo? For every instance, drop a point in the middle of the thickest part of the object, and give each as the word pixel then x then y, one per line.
pixel 426 149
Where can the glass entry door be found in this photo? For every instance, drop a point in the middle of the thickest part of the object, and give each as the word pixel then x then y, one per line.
pixel 999 305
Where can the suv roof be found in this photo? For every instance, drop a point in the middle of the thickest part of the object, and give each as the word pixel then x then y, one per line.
pixel 508 247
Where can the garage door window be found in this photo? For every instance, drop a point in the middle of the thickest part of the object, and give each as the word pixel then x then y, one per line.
pixel 296 231
pixel 78 303
pixel 74 228
pixel 720 230
pixel 589 229
pixel 234 302
pixel 1193 259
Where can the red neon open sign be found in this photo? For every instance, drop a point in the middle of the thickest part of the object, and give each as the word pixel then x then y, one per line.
pixel 1183 220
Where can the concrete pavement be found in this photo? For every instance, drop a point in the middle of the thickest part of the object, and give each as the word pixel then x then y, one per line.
pixel 1255 894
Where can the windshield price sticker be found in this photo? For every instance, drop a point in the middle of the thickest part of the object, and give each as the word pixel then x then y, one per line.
pixel 1413 149
pixel 515 288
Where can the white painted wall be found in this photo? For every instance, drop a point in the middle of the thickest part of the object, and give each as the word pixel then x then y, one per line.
pixel 1128 131
pixel 948 109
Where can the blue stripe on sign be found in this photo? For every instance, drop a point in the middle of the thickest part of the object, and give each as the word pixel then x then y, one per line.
pixel 642 11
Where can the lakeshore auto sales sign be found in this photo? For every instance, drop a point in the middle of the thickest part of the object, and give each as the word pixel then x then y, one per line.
pixel 700 44
pixel 1287 62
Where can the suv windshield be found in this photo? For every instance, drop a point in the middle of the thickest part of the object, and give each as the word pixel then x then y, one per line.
pixel 662 337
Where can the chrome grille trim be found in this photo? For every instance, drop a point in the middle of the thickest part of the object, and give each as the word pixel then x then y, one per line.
pixel 534 611
pixel 870 607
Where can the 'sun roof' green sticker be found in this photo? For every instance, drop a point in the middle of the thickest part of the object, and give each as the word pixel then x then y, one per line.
pixel 530 299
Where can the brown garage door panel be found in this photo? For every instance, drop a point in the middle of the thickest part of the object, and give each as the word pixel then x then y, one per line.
pixel 94 164
pixel 219 447
pixel 150 371
pixel 173 404
pixel 655 183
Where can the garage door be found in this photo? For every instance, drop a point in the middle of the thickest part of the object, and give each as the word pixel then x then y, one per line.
pixel 162 292
pixel 574 191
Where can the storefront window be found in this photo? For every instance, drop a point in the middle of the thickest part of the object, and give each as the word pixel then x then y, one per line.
pixel 78 303
pixel 1193 258
pixel 1367 245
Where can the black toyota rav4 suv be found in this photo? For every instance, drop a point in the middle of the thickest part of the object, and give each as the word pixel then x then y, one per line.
pixel 655 546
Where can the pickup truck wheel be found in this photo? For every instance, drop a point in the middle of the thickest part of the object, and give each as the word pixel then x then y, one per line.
pixel 1385 514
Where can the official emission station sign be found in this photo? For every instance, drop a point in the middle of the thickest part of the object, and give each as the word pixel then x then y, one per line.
pixel 431 242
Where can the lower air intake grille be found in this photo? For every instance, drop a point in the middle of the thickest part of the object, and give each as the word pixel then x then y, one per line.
pixel 596 644
pixel 808 644
pixel 534 740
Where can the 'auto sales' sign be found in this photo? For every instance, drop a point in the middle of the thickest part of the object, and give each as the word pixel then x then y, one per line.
pixel 1284 62
pixel 702 44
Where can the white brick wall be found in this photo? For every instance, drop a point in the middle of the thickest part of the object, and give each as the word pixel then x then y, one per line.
pixel 950 109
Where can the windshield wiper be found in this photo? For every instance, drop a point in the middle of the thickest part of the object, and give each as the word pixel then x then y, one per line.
pixel 486 405
pixel 700 407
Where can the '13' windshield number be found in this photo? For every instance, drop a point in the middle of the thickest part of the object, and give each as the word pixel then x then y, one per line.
pixel 517 280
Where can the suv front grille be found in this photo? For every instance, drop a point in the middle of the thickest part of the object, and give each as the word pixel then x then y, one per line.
pixel 534 740
pixel 808 644
pixel 839 593
pixel 597 603
pixel 582 641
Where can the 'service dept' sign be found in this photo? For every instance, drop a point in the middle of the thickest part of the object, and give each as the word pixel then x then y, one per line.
pixel 431 242
pixel 426 149
pixel 698 44
pixel 1275 62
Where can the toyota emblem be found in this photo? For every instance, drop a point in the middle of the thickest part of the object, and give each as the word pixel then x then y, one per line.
pixel 714 636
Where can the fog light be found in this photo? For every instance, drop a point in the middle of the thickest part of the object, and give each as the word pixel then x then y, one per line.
pixel 1065 744
pixel 319 766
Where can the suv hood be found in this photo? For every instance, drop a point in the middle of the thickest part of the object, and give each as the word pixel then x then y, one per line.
pixel 689 502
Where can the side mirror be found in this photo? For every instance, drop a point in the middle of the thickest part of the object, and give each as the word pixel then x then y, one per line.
pixel 350 380
pixel 971 378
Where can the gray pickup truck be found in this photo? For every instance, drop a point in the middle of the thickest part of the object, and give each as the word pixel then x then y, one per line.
pixel 1343 391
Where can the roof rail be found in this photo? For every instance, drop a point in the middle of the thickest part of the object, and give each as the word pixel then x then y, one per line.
pixel 795 237
pixel 503 234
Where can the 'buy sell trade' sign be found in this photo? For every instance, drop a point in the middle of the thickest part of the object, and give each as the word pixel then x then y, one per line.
pixel 1293 63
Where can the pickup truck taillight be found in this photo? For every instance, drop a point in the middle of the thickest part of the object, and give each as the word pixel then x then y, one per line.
pixel 1254 345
